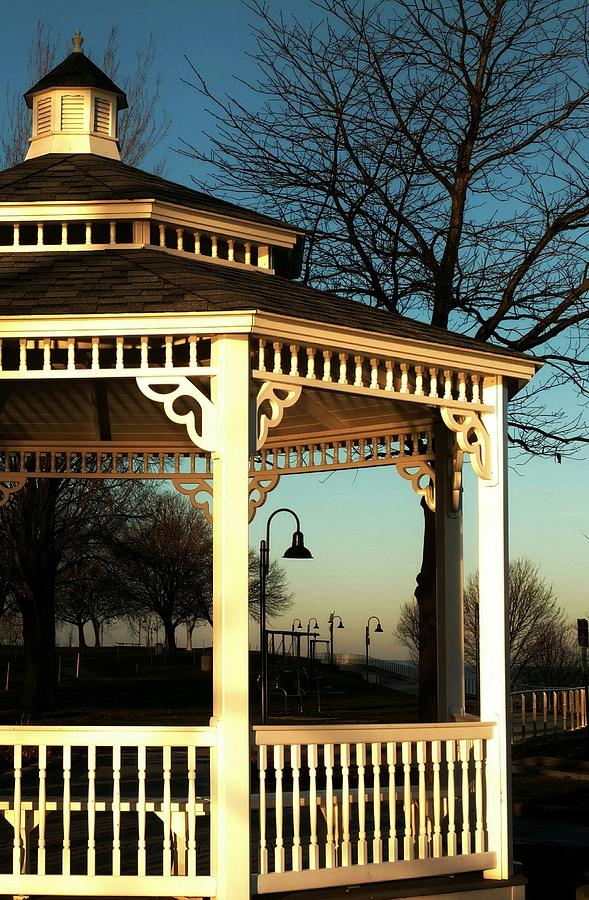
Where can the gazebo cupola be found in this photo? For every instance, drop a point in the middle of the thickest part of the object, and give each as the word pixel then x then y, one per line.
pixel 75 108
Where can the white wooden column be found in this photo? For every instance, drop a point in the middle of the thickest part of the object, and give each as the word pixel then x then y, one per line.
pixel 449 585
pixel 230 817
pixel 493 629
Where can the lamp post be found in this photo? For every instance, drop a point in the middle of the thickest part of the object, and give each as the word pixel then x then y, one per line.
pixel 377 630
pixel 332 619
pixel 297 550
pixel 294 621
pixel 315 628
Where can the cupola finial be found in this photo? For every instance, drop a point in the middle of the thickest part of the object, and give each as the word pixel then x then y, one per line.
pixel 77 41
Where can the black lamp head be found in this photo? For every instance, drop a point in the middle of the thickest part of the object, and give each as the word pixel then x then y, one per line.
pixel 378 629
pixel 341 624
pixel 297 550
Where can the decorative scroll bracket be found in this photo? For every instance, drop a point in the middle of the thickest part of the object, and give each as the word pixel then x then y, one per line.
pixel 268 394
pixel 182 387
pixel 456 485
pixel 472 437
pixel 10 486
pixel 422 476
pixel 194 489
pixel 260 486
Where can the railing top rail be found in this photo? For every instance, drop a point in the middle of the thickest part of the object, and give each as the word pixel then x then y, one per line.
pixel 350 734
pixel 548 690
pixel 107 735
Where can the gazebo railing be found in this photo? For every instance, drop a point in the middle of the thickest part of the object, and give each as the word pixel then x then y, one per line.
pixel 535 713
pixel 103 811
pixel 353 803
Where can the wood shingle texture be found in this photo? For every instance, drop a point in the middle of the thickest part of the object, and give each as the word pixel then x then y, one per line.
pixel 86 177
pixel 144 281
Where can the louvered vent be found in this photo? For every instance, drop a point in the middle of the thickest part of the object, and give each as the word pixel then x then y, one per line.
pixel 72 112
pixel 44 115
pixel 101 115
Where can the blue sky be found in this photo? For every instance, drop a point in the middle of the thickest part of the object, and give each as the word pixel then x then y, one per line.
pixel 363 528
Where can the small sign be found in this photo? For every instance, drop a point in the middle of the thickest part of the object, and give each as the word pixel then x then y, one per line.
pixel 583 632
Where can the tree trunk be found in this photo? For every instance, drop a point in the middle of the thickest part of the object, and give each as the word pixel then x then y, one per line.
pixel 96 628
pixel 81 635
pixel 170 634
pixel 189 630
pixel 425 594
pixel 39 694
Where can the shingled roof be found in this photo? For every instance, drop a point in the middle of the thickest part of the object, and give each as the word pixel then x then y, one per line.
pixel 146 281
pixel 76 70
pixel 84 176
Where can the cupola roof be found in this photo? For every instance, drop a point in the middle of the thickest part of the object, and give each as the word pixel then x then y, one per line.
pixel 76 70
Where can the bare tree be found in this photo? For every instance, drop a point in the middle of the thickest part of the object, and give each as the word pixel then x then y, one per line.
pixel 436 155
pixel 90 593
pixel 142 127
pixel 542 646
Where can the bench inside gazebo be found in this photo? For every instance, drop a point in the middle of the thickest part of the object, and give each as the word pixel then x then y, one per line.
pixel 151 331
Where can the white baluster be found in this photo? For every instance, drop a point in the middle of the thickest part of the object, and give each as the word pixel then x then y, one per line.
pixel 169 363
pixel 197 242
pixel 91 812
pixel 545 711
pixel 262 355
pixel 141 810
pixel 294 361
pixel 534 723
pixel 167 810
pixel 22 365
pixel 358 381
pixel 214 246
pixel 327 366
pixel 310 362
pixel 328 759
pixel 313 846
pixel 393 841
pixel 41 857
pixel 191 811
pixel 419 381
pixel 462 387
pixel 476 391
pixel 450 762
pixel 162 234
pixel 404 378
pixel 119 354
pixel 277 358
pixel 193 351
pixel 40 236
pixel 479 833
pixel 279 855
pixel 88 233
pixel 390 372
pixel 16 234
pixel 465 842
pixel 63 234
pixel 437 835
pixel 71 354
pixel 433 382
pixel 17 800
pixel 144 352
pixel 346 844
pixel 179 239
pixel 374 374
pixel 408 848
pixel 116 810
pixel 112 232
pixel 362 842
pixel 248 253
pixel 422 839
pixel 343 368
pixel 95 363
pixel 46 355
pixel 231 250
pixel 377 836
pixel 297 851
pixel 66 812
pixel 447 384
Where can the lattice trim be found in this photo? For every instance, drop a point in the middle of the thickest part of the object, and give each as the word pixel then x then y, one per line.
pixel 8 488
pixel 194 490
pixel 268 394
pixel 422 476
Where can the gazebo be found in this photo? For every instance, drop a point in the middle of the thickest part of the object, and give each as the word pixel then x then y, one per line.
pixel 149 330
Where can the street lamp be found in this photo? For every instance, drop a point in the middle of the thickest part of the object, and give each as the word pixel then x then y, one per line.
pixel 297 550
pixel 294 621
pixel 315 628
pixel 377 630
pixel 332 619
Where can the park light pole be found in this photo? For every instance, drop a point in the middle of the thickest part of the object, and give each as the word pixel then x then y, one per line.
pixel 377 630
pixel 332 619
pixel 294 621
pixel 297 550
pixel 315 628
